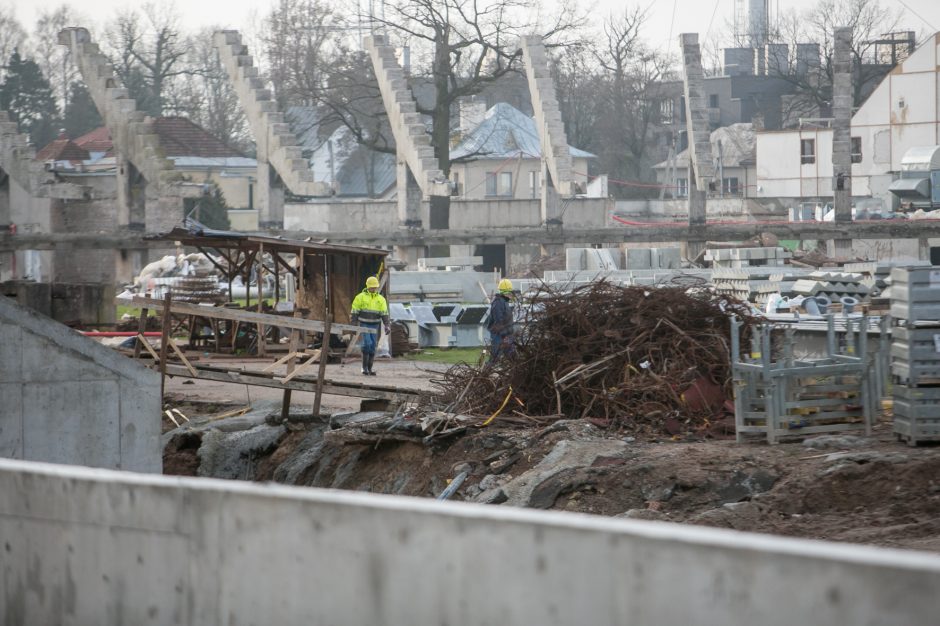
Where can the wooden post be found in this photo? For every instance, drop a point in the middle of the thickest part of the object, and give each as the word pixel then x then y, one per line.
pixel 141 329
pixel 164 341
pixel 292 348
pixel 321 372
pixel 262 348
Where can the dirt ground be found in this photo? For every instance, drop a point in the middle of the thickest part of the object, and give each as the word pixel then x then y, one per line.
pixel 871 490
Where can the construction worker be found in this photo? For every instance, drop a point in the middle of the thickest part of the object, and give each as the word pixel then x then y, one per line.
pixel 499 322
pixel 369 309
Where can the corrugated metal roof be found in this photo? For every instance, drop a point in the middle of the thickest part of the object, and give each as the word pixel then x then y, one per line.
pixel 200 162
pixel 193 233
pixel 506 132
pixel 340 158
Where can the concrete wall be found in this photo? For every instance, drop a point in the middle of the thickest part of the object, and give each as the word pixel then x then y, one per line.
pixel 381 215
pixel 472 176
pixel 68 399
pixel 101 547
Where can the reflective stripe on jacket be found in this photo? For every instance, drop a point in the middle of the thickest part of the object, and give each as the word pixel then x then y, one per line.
pixel 369 307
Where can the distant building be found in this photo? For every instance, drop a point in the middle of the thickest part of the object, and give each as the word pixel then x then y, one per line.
pixel 733 149
pixel 497 155
pixel 197 155
pixel 501 157
pixel 901 113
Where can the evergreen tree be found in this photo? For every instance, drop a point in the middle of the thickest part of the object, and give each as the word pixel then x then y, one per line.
pixel 81 114
pixel 211 209
pixel 27 96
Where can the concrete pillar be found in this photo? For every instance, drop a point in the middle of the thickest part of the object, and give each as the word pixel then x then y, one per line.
pixel 552 211
pixel 270 198
pixel 123 200
pixel 409 211
pixel 697 206
pixel 842 135
pixel 701 168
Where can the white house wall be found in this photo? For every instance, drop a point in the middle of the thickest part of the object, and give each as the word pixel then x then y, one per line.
pixel 903 112
pixel 472 176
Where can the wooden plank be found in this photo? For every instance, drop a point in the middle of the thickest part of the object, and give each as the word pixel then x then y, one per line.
pixel 321 373
pixel 183 358
pixel 239 315
pixel 330 387
pixel 259 327
pixel 141 329
pixel 291 354
pixel 146 344
pixel 292 349
pixel 301 368
pixel 165 339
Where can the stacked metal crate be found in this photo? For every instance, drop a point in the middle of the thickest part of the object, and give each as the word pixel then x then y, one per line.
pixel 915 353
pixel 787 397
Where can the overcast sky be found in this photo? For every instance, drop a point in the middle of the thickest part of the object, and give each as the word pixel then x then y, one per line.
pixel 666 17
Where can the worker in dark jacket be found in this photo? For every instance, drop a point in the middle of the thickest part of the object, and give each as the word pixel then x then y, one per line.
pixel 369 308
pixel 499 322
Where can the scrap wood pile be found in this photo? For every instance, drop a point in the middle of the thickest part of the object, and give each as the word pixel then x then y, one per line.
pixel 646 359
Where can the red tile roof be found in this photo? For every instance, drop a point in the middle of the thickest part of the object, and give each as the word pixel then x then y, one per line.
pixel 98 140
pixel 62 149
pixel 179 137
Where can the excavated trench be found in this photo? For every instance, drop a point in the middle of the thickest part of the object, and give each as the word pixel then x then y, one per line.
pixel 845 488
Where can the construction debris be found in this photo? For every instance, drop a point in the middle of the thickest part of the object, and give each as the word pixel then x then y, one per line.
pixel 638 358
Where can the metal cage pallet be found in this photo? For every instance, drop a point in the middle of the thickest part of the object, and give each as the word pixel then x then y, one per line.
pixel 792 397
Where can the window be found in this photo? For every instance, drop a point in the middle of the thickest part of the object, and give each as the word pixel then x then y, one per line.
pixel 713 101
pixel 499 184
pixel 807 151
pixel 535 189
pixel 730 186
pixel 667 111
pixel 682 187
pixel 856 149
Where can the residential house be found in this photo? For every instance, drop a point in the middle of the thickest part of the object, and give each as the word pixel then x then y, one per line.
pixel 900 114
pixel 733 150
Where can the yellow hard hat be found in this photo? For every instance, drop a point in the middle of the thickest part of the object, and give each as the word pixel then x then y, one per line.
pixel 505 285
pixel 372 281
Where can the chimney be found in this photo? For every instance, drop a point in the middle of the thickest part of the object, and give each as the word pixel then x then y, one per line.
pixel 472 112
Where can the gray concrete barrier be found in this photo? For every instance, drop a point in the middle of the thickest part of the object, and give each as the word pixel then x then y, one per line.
pixel 92 546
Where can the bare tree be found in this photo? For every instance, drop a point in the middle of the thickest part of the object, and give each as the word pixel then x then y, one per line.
pixel 205 95
pixel 577 83
pixel 868 20
pixel 149 51
pixel 12 35
pixel 53 59
pixel 630 95
pixel 468 45
pixel 299 39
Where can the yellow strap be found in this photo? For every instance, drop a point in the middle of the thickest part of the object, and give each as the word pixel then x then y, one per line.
pixel 500 409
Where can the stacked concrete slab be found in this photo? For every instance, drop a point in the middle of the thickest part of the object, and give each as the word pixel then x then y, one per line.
pixel 745 257
pixel 412 141
pixel 276 144
pixel 555 152
pixel 67 399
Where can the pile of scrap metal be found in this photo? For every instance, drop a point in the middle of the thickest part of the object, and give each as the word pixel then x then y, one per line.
pixel 650 360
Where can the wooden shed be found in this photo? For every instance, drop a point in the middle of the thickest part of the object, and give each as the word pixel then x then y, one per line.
pixel 328 276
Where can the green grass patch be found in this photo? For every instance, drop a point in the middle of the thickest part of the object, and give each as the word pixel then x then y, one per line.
pixel 449 356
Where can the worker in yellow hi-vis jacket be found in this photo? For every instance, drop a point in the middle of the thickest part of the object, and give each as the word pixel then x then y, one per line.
pixel 369 309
